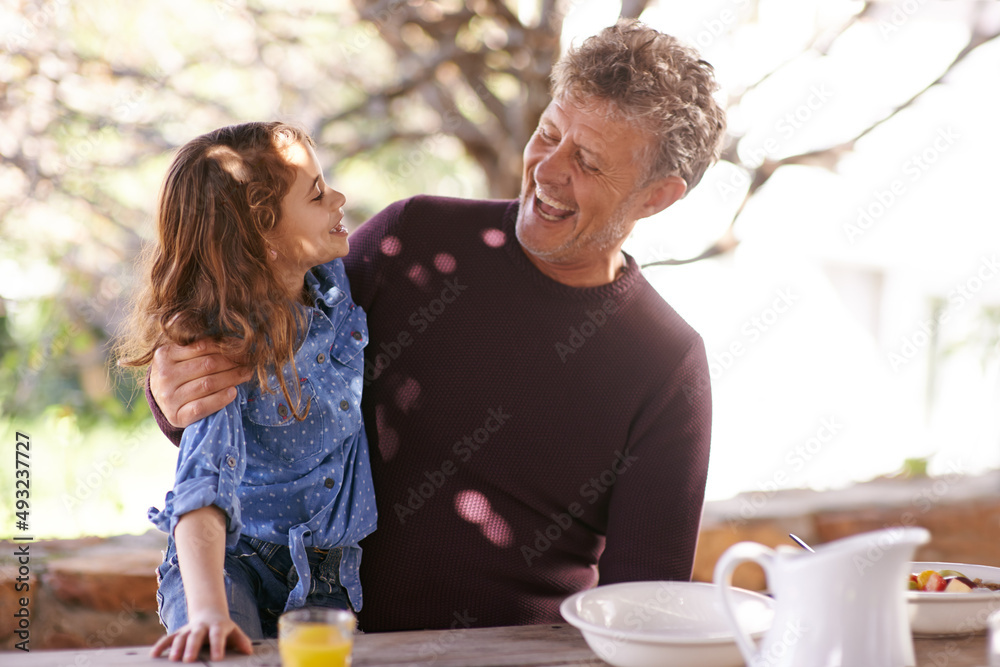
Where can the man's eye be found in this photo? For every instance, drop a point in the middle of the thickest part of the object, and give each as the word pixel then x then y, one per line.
pixel 586 166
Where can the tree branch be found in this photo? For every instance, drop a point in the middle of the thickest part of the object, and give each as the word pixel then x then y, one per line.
pixel 827 158
pixel 631 9
pixel 813 45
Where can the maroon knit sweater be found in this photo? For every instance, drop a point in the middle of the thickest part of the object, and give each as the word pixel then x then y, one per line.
pixel 528 439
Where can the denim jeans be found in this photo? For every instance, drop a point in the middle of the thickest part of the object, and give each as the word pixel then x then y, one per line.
pixel 258 577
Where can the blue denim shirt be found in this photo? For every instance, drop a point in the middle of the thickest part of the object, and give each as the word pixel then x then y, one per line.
pixel 304 484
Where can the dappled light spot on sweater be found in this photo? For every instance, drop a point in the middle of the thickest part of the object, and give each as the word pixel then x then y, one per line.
pixel 388 438
pixel 419 275
pixel 444 262
pixel 407 394
pixel 391 246
pixel 475 508
pixel 493 237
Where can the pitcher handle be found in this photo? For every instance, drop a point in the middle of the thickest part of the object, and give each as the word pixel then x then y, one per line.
pixel 739 553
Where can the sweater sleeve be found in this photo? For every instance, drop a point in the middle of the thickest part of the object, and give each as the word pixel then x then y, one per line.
pixel 655 506
pixel 173 433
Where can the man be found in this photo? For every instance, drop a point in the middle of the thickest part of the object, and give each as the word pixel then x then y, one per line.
pixel 539 417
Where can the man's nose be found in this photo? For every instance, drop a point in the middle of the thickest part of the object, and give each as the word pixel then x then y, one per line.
pixel 553 168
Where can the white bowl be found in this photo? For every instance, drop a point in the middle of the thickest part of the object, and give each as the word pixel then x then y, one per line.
pixel 953 614
pixel 657 623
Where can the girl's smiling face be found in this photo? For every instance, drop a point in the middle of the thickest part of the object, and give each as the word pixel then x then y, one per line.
pixel 311 229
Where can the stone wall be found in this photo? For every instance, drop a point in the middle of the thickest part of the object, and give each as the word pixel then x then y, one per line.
pixel 88 593
pixel 93 593
pixel 962 514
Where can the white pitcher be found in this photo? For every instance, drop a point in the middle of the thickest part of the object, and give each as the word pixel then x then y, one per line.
pixel 842 606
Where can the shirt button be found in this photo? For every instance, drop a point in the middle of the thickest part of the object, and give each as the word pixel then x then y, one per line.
pixel 329 483
pixel 344 405
pixel 356 335
pixel 282 410
pixel 231 462
pixel 320 358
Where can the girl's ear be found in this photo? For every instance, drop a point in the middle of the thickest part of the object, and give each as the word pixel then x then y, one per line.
pixel 269 245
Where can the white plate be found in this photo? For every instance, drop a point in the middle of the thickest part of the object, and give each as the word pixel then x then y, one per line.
pixel 953 614
pixel 657 623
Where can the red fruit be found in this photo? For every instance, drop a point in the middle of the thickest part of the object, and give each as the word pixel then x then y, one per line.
pixel 935 583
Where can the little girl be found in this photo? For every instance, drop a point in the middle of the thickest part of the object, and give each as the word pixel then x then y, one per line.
pixel 272 493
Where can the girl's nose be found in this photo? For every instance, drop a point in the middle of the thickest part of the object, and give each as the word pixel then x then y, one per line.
pixel 338 199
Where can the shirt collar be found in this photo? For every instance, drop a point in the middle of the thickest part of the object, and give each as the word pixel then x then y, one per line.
pixel 322 288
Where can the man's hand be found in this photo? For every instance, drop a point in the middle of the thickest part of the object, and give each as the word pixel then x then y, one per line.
pixel 216 627
pixel 193 381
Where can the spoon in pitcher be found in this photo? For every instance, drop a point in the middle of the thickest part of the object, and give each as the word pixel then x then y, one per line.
pixel 801 543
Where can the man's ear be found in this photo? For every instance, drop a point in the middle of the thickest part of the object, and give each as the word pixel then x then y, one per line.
pixel 661 193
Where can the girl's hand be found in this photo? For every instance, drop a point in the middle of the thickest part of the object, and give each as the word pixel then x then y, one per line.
pixel 220 630
pixel 201 551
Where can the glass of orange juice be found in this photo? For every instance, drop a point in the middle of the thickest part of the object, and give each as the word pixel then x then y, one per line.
pixel 316 637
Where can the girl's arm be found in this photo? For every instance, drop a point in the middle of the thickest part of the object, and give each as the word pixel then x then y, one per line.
pixel 200 536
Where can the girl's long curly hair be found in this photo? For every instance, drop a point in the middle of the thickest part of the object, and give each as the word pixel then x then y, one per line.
pixel 208 273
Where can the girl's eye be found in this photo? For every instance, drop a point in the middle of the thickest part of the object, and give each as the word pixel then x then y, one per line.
pixel 320 196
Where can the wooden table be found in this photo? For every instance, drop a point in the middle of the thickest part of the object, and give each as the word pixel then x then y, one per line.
pixel 531 646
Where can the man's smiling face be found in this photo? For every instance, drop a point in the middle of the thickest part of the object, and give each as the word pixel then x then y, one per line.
pixel 579 191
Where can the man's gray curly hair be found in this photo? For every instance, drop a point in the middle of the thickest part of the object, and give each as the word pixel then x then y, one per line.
pixel 655 81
